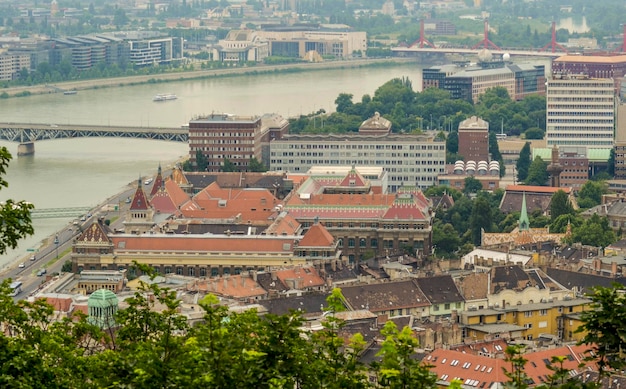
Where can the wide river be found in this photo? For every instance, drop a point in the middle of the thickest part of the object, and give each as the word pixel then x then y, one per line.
pixel 85 172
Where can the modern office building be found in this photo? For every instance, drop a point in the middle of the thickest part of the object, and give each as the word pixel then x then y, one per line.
pixel 580 111
pixel 467 82
pixel 410 159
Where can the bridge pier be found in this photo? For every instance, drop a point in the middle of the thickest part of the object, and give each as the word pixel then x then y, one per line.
pixel 26 148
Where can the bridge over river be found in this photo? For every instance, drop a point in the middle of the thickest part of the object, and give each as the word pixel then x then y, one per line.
pixel 26 134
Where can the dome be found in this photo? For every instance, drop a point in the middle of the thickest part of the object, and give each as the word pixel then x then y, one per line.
pixel 102 298
pixel 482 167
pixel 506 56
pixel 485 55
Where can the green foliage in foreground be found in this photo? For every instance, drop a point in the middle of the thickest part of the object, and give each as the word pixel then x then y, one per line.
pixel 160 349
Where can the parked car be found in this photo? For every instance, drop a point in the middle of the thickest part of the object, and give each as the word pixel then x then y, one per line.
pixel 21 265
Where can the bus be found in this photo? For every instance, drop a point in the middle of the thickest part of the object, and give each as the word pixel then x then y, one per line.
pixel 16 288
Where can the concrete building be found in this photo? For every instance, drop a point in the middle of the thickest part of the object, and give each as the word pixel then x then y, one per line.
pixel 222 137
pixel 474 139
pixel 411 160
pixel 298 41
pixel 236 138
pixel 241 46
pixel 12 64
pixel 580 111
pixel 593 66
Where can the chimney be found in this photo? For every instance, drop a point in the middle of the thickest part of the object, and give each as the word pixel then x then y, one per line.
pixel 225 282
pixel 613 268
pixel 333 265
pixel 254 275
pixel 274 277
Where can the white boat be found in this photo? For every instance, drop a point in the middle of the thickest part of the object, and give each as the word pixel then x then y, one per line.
pixel 164 97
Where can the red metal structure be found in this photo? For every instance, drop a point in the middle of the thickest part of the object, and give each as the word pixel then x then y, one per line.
pixel 486 43
pixel 553 44
pixel 422 41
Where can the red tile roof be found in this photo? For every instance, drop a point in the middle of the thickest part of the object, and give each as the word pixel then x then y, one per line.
pixel 140 200
pixel 353 179
pixel 538 189
pixel 203 243
pixel 317 236
pixel 307 277
pixel 237 286
pixel 472 370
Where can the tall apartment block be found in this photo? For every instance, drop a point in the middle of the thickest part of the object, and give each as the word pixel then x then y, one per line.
pixel 580 111
pixel 474 139
pixel 620 135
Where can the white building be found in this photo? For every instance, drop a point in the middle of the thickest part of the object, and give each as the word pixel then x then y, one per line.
pixel 580 111
pixel 410 160
pixel 241 46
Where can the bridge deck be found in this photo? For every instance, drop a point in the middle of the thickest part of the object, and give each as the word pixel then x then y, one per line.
pixel 31 132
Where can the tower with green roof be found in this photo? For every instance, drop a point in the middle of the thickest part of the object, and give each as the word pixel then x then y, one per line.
pixel 102 306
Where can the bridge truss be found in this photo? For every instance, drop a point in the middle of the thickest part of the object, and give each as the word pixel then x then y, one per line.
pixel 37 132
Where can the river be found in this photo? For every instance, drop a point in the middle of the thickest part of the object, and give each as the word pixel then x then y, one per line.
pixel 85 172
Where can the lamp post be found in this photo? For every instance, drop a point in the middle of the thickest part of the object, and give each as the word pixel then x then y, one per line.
pixel 56 242
pixel 431 121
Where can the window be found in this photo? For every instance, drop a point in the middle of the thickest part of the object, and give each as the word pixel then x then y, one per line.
pixel 362 242
pixel 374 243
pixel 179 271
pixel 446 306
pixel 528 314
pixel 351 242
pixel 543 312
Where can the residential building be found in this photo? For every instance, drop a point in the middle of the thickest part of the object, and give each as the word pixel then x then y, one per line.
pixel 445 298
pixel 537 198
pixel 388 298
pixel 410 159
pixel 580 111
pixel 12 64
pixel 474 139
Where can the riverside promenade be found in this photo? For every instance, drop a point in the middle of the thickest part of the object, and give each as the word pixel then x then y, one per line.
pixel 199 74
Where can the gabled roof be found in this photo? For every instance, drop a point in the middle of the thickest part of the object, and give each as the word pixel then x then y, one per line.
pixel 285 224
pixel 476 371
pixel 308 303
pixel 474 286
pixel 440 289
pixel 235 286
pixel 353 179
pixel 140 200
pixel 385 296
pixel 306 277
pixel 169 198
pixel 404 207
pixel 96 233
pixel 158 182
pixel 317 236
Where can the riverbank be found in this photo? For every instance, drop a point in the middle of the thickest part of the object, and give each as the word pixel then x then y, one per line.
pixel 198 74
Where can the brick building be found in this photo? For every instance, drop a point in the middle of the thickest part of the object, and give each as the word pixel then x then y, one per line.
pixel 474 139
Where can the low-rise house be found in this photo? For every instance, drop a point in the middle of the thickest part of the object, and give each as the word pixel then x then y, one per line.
pixel 445 298
pixel 388 298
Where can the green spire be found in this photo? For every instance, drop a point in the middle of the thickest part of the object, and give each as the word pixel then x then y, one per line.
pixel 524 223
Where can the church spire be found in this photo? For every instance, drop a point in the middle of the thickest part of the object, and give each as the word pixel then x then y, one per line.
pixel 524 223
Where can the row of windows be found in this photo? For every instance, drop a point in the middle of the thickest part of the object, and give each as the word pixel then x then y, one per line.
pixel 606 122
pixel 352 154
pixel 285 145
pixel 310 162
pixel 608 99
pixel 241 133
pixel 608 112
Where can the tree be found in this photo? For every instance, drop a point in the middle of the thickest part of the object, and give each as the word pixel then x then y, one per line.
pixel 537 173
pixel 471 185
pixel 534 133
pixel 590 194
pixel 229 166
pixel 480 219
pixel 560 205
pixel 201 161
pixel 518 379
pixel 398 368
pixel 15 215
pixel 452 142
pixel 603 326
pixel 595 231
pixel 255 166
pixel 523 162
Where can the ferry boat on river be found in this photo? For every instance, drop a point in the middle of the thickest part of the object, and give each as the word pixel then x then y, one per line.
pixel 164 97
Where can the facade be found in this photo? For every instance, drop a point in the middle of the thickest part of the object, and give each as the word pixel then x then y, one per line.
pixel 580 111
pixel 488 174
pixel 365 223
pixel 298 41
pixel 468 82
pixel 12 64
pixel 620 137
pixel 222 136
pixel 575 169
pixel 241 46
pixel 593 66
pixel 411 160
pixel 474 139
pixel 147 52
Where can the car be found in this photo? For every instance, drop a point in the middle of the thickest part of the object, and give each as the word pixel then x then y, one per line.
pixel 21 265
pixel 41 272
pixel 128 200
pixel 33 257
pixel 83 218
